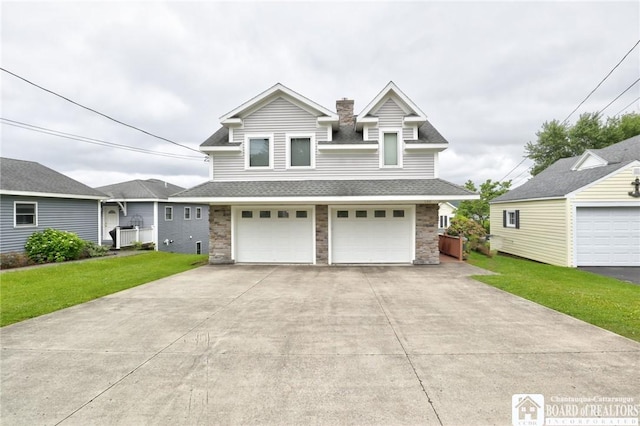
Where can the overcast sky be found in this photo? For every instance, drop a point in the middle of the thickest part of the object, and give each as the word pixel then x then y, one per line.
pixel 487 74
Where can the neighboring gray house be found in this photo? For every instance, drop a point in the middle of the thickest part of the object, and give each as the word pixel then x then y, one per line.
pixel 294 182
pixel 171 226
pixel 34 197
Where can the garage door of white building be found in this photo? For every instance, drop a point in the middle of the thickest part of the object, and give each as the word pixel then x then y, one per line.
pixel 608 236
pixel 274 235
pixel 372 234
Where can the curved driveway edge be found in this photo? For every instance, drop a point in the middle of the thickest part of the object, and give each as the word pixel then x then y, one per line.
pixel 301 344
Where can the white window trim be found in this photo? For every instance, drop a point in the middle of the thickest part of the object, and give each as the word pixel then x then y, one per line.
pixel 187 209
pixel 398 132
pixel 312 150
pixel 15 222
pixel 509 223
pixel 170 208
pixel 198 213
pixel 247 150
pixel 198 243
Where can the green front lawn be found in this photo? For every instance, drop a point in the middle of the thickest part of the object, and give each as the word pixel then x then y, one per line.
pixel 38 291
pixel 602 301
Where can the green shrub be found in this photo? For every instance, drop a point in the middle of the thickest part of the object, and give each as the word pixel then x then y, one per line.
pixel 52 245
pixel 471 230
pixel 92 249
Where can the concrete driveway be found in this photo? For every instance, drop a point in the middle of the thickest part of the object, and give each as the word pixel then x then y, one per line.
pixel 299 345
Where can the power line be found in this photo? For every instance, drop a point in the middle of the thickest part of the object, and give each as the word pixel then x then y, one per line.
pixel 602 81
pixel 518 165
pixel 525 171
pixel 72 136
pixel 98 112
pixel 630 103
pixel 616 98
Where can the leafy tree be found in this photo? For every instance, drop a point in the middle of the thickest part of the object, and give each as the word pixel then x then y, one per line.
pixel 478 210
pixel 558 140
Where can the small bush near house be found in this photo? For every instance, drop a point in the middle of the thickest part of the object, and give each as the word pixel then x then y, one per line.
pixel 92 249
pixel 14 260
pixel 52 245
pixel 469 229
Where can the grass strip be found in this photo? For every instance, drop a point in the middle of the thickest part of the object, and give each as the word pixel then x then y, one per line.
pixel 606 302
pixel 33 292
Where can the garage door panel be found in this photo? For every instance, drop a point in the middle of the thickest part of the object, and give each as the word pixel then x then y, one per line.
pixel 608 236
pixel 274 239
pixel 377 236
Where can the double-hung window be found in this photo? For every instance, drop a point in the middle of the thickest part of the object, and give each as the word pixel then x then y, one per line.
pixel 391 149
pixel 301 151
pixel 168 213
pixel 25 214
pixel 259 152
pixel 511 219
pixel 187 213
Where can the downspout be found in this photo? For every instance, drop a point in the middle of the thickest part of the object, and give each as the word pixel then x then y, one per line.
pixel 155 225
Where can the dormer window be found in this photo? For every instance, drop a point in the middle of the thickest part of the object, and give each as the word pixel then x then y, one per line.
pixel 390 150
pixel 259 152
pixel 300 151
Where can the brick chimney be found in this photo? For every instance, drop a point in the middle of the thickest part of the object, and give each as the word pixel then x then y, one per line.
pixel 344 107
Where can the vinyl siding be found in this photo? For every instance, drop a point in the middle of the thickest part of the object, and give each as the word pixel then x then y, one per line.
pixel 281 117
pixel 180 230
pixel 141 209
pixel 614 188
pixel 543 232
pixel 77 216
pixel 389 114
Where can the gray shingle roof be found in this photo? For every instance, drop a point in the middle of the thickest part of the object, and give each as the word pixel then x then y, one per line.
pixel 29 176
pixel 342 135
pixel 559 180
pixel 326 188
pixel 152 189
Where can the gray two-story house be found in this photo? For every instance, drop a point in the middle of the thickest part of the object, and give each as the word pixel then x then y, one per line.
pixel 140 211
pixel 294 182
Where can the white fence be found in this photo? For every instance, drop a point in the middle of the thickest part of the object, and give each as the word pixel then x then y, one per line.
pixel 127 237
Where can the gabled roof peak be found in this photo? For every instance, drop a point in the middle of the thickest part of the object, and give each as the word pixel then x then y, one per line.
pixel 392 90
pixel 589 160
pixel 277 90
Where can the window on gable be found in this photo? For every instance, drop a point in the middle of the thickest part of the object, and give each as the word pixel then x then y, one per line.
pixel 168 213
pixel 26 214
pixel 511 219
pixel 259 154
pixel 300 152
pixel 187 213
pixel 390 152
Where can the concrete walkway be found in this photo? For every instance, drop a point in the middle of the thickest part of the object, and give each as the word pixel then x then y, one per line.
pixel 300 345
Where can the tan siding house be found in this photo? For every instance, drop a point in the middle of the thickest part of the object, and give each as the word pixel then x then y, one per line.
pixel 581 211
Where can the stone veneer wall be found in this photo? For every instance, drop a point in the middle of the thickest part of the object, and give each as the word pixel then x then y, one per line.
pixel 322 235
pixel 220 235
pixel 427 252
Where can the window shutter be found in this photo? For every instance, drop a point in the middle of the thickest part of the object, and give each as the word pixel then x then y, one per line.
pixel 517 219
pixel 504 218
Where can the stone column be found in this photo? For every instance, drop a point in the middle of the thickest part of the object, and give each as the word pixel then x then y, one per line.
pixel 322 235
pixel 220 235
pixel 427 252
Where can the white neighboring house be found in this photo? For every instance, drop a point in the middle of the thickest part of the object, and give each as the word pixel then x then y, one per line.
pixel 446 212
pixel 294 182
pixel 580 211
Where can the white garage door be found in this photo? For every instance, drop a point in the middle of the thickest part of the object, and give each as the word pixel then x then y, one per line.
pixel 608 236
pixel 372 235
pixel 268 235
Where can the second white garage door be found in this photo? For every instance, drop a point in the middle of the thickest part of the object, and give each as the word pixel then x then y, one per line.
pixel 372 235
pixel 282 235
pixel 608 236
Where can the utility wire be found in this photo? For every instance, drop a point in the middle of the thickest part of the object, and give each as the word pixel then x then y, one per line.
pixel 72 136
pixel 525 171
pixel 602 81
pixel 518 165
pixel 617 97
pixel 630 103
pixel 98 112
